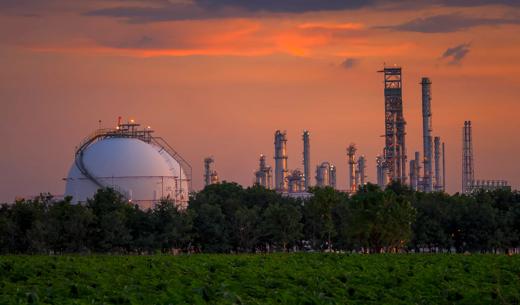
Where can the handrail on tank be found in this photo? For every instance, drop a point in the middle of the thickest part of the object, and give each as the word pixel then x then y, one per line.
pixel 122 131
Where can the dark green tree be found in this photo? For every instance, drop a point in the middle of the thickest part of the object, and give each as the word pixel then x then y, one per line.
pixel 67 227
pixel 173 228
pixel 319 224
pixel 109 230
pixel 282 225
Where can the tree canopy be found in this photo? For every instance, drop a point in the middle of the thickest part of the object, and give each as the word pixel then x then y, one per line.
pixel 228 218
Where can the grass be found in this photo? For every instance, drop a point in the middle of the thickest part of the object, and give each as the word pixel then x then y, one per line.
pixel 261 279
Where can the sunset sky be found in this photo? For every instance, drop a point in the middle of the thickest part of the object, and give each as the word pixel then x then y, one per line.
pixel 218 77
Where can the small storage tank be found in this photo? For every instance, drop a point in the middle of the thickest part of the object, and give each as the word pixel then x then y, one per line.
pixel 143 168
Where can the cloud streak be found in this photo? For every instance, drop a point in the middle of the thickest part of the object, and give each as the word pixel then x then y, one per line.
pixel 456 54
pixel 448 23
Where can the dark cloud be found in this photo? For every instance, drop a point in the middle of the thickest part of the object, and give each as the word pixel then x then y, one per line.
pixel 479 2
pixel 211 9
pixel 142 11
pixel 449 23
pixel 350 63
pixel 456 54
pixel 288 6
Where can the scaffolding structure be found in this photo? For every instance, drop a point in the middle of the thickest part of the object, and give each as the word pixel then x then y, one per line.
pixel 394 153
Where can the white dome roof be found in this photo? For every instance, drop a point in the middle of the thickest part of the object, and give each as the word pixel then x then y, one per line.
pixel 139 170
pixel 123 157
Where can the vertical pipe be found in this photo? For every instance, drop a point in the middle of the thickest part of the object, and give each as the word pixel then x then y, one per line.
pixel 443 169
pixel 464 161
pixel 437 164
pixel 380 172
pixel 413 181
pixel 306 159
pixel 417 163
pixel 427 129
pixel 361 170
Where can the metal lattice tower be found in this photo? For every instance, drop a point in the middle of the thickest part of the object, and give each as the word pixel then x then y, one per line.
pixel 395 148
pixel 468 174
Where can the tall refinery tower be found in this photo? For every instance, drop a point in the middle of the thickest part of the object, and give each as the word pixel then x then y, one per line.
pixel 351 153
pixel 280 158
pixel 468 175
pixel 210 175
pixel 395 148
pixel 306 159
pixel 263 176
pixel 427 180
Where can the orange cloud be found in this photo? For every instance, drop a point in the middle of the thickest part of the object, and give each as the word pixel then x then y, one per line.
pixel 330 26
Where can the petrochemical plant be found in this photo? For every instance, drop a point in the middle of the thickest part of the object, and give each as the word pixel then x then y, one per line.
pixel 391 165
pixel 144 168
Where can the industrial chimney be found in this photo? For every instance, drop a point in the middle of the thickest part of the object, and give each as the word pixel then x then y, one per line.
pixel 427 181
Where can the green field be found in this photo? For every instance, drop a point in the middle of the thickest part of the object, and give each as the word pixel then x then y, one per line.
pixel 261 279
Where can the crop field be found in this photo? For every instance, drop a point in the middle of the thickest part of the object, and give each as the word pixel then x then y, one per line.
pixel 261 279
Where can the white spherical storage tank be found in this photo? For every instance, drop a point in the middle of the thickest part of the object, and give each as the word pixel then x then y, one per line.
pixel 144 169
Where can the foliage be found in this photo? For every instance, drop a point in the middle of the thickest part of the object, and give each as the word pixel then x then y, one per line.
pixel 303 278
pixel 227 218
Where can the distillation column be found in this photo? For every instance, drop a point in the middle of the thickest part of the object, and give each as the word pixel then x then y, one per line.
pixel 427 181
pixel 280 157
pixel 468 175
pixel 361 170
pixel 207 170
pixel 351 153
pixel 413 178
pixel 264 174
pixel 326 175
pixel 306 159
pixel 332 176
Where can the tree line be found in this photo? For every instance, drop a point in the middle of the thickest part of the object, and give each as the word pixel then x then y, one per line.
pixel 227 218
